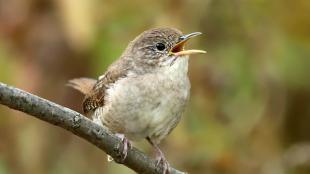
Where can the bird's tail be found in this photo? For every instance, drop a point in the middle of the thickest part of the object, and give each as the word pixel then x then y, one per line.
pixel 84 85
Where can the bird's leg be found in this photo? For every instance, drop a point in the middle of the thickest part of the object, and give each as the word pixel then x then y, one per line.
pixel 161 161
pixel 125 146
pixel 160 158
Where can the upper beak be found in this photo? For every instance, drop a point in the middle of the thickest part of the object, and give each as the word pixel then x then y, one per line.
pixel 178 49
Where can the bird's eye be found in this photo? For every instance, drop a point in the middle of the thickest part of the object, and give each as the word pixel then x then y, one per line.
pixel 160 46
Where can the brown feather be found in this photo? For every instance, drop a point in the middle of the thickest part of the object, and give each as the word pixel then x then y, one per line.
pixel 94 97
pixel 84 85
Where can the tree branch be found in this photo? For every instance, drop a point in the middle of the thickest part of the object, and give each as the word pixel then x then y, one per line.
pixel 77 124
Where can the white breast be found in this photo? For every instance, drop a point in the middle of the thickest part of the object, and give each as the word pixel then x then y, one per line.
pixel 147 105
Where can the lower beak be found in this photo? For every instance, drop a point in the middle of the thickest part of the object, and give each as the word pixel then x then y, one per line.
pixel 178 49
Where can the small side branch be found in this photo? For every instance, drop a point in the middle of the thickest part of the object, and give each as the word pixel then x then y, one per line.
pixel 77 124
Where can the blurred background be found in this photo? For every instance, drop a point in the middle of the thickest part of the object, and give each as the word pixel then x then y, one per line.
pixel 250 99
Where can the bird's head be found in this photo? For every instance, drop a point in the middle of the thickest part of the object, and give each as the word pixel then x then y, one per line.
pixel 160 47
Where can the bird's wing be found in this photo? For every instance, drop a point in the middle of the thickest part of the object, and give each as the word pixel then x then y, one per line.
pixel 95 90
pixel 95 97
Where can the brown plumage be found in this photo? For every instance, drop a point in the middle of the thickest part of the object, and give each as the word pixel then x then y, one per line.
pixel 94 90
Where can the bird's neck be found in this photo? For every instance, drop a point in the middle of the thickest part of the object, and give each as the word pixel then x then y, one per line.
pixel 178 70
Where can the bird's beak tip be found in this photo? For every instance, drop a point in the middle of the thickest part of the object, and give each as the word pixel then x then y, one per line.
pixel 178 49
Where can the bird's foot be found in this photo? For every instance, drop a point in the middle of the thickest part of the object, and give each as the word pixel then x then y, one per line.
pixel 122 148
pixel 162 164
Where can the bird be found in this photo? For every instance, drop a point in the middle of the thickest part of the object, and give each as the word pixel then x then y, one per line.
pixel 143 94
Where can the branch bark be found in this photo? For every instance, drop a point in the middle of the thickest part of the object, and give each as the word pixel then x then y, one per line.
pixel 77 124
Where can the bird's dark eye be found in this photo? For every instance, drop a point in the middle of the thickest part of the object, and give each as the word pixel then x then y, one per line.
pixel 160 46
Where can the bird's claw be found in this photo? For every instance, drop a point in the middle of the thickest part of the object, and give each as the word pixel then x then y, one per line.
pixel 123 148
pixel 162 164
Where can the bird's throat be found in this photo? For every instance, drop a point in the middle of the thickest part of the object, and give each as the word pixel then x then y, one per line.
pixel 178 67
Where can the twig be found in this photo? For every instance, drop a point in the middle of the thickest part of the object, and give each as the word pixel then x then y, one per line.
pixel 77 124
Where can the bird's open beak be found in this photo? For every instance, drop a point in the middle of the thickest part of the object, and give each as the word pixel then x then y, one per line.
pixel 178 49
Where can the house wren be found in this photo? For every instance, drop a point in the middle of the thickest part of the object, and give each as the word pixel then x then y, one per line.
pixel 143 94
